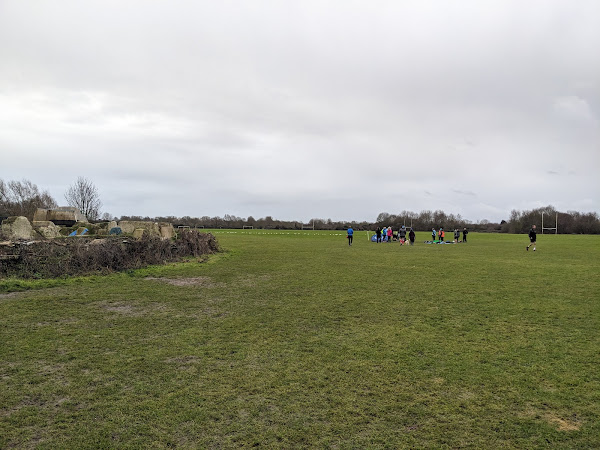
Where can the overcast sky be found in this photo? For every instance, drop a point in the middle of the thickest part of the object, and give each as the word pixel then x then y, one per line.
pixel 301 109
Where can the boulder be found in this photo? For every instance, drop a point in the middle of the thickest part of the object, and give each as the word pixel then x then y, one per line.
pixel 40 215
pixel 65 215
pixel 47 229
pixel 17 227
pixel 129 226
pixel 166 230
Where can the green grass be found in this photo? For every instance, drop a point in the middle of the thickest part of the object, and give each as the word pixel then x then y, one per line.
pixel 298 340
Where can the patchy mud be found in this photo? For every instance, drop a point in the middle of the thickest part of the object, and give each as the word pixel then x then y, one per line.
pixel 560 423
pixel 207 282
pixel 183 282
pixel 130 310
pixel 10 295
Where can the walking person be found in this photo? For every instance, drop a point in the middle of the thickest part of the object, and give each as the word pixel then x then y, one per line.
pixel 433 234
pixel 378 233
pixel 411 237
pixel 465 232
pixel 350 234
pixel 532 237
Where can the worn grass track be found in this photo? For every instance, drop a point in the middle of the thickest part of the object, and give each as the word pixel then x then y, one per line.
pixel 292 340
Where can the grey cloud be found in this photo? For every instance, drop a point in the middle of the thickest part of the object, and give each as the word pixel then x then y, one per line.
pixel 290 108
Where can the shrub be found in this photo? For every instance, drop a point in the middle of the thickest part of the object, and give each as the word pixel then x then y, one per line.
pixel 81 256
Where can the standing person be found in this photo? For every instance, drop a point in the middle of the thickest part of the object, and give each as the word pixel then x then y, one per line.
pixel 433 234
pixel 532 238
pixel 384 234
pixel 411 237
pixel 465 232
pixel 350 234
pixel 378 233
pixel 456 235
pixel 441 234
pixel 390 233
pixel 402 235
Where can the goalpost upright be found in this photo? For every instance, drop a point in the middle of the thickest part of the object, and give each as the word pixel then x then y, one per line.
pixel 555 227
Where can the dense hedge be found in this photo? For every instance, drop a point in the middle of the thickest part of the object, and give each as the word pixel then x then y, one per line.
pixel 80 256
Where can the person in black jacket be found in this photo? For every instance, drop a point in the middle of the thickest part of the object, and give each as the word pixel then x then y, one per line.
pixel 532 238
pixel 465 232
pixel 411 237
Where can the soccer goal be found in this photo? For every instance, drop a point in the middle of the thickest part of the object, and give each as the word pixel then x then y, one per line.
pixel 555 227
pixel 308 227
pixel 247 227
pixel 183 227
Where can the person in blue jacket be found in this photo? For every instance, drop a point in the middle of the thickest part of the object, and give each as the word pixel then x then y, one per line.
pixel 350 234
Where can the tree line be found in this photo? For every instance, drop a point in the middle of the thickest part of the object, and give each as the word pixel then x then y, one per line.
pixel 571 222
pixel 22 198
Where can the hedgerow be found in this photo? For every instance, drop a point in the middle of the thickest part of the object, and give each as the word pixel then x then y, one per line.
pixel 80 256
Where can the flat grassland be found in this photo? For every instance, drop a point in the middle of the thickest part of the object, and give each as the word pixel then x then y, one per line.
pixel 291 340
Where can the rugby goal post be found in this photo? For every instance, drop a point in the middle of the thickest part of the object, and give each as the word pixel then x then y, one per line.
pixel 555 227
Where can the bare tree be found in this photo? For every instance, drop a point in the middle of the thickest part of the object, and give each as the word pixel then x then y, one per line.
pixel 22 198
pixel 83 194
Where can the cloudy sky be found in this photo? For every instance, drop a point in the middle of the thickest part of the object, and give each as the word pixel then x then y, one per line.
pixel 299 109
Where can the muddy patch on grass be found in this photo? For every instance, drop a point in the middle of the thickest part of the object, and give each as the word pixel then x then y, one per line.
pixel 560 423
pixel 206 282
pixel 10 295
pixel 37 402
pixel 129 310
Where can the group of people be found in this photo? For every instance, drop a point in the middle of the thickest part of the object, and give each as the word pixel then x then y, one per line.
pixel 441 234
pixel 386 234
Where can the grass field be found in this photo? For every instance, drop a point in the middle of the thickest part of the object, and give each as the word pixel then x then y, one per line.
pixel 298 340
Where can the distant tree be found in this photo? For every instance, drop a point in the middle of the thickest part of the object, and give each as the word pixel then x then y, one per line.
pixel 83 194
pixel 382 217
pixel 23 198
